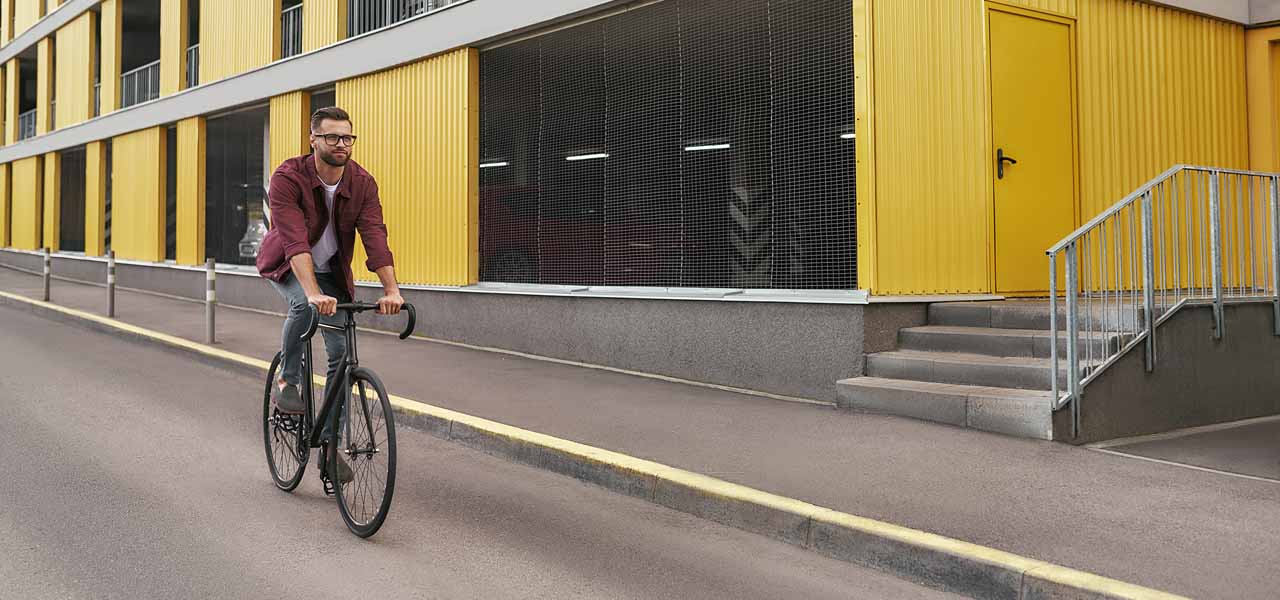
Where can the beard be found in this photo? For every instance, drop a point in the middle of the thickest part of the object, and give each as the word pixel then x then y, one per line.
pixel 334 161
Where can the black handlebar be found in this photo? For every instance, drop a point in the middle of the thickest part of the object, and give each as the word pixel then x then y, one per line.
pixel 358 307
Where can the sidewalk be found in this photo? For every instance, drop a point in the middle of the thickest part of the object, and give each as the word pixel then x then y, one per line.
pixel 1187 532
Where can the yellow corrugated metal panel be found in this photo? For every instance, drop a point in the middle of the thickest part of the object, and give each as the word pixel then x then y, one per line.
pixel 932 175
pixel 6 21
pixel 11 73
pixel 173 46
pixel 95 198
pixel 52 201
pixel 75 68
pixel 289 126
pixel 44 84
pixel 1156 86
pixel 237 36
pixel 1176 97
pixel 419 128
pixel 1061 7
pixel 111 13
pixel 4 205
pixel 4 102
pixel 324 22
pixel 25 14
pixel 1262 61
pixel 190 186
pixel 865 134
pixel 27 201
pixel 138 194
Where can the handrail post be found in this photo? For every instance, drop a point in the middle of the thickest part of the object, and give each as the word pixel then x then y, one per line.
pixel 1215 243
pixel 1053 327
pixel 1275 250
pixel 1148 281
pixel 210 300
pixel 111 284
pixel 48 273
pixel 1073 351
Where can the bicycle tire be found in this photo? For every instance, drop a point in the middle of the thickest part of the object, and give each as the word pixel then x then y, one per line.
pixel 284 438
pixel 365 501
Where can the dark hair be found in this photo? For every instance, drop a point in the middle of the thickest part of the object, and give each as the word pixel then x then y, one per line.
pixel 331 113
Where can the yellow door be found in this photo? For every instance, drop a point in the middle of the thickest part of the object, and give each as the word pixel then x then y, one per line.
pixel 1034 148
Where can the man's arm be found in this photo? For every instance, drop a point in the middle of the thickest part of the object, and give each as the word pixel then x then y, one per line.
pixel 373 232
pixel 391 300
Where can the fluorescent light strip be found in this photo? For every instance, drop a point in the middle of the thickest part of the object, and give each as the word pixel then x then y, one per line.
pixel 494 164
pixel 848 136
pixel 587 156
pixel 708 147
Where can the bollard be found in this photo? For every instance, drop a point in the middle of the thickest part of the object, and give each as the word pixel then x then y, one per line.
pixel 111 284
pixel 48 272
pixel 210 299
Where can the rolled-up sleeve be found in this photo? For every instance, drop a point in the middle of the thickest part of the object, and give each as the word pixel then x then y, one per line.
pixel 373 231
pixel 284 199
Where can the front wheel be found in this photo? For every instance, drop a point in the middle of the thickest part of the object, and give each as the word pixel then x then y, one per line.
pixel 366 442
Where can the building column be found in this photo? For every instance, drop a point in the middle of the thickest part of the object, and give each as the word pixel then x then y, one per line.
pixel 52 201
pixel 1262 82
pixel 12 71
pixel 44 85
pixel 324 22
pixel 138 194
pixel 6 21
pixel 4 206
pixel 112 16
pixel 95 198
pixel 191 181
pixel 173 45
pixel 26 199
pixel 290 126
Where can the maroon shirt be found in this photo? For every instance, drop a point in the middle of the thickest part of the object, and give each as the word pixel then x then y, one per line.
pixel 299 216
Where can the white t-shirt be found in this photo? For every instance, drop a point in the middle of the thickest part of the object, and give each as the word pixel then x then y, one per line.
pixel 327 245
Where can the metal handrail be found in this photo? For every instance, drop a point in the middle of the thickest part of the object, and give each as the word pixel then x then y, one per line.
pixel 27 124
pixel 193 65
pixel 364 16
pixel 291 31
pixel 140 84
pixel 1192 235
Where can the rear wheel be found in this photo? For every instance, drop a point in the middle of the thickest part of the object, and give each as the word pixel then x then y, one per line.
pixel 285 438
pixel 366 442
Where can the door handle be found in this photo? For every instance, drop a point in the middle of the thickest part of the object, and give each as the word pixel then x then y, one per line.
pixel 1000 160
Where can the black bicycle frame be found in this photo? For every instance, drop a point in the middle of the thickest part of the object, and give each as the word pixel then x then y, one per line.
pixel 341 382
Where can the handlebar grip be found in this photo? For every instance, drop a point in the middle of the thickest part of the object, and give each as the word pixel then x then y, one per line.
pixel 413 320
pixel 315 323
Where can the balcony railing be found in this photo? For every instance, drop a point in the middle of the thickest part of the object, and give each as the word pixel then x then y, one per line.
pixel 193 66
pixel 364 16
pixel 291 32
pixel 27 124
pixel 97 98
pixel 140 85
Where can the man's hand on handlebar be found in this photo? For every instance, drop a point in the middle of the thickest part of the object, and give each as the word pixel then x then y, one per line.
pixel 390 304
pixel 327 305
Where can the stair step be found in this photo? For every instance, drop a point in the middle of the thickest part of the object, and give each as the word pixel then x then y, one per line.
pixel 1028 343
pixel 1029 314
pixel 1023 413
pixel 963 369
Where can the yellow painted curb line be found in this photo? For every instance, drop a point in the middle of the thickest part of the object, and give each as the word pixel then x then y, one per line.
pixel 1053 578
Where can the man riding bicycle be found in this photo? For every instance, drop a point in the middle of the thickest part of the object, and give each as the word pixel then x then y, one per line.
pixel 318 202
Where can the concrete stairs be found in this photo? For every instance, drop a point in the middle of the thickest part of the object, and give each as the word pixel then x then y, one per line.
pixel 984 365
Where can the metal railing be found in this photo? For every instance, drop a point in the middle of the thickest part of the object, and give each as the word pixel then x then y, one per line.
pixel 193 66
pixel 140 85
pixel 364 16
pixel 291 31
pixel 97 98
pixel 1193 235
pixel 27 124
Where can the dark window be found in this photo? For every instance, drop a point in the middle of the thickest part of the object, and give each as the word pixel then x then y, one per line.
pixel 171 195
pixel 702 143
pixel 235 161
pixel 71 186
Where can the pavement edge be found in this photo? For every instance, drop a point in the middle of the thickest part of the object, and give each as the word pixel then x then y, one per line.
pixel 929 559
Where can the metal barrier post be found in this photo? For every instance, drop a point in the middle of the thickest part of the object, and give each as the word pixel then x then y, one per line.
pixel 1148 281
pixel 1215 243
pixel 1073 330
pixel 210 300
pixel 1275 250
pixel 48 272
pixel 111 284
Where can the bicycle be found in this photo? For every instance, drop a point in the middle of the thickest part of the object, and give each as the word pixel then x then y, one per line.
pixel 364 430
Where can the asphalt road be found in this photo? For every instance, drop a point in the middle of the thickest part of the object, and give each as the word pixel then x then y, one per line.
pixel 131 472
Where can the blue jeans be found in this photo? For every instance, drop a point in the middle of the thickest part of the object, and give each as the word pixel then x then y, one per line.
pixel 296 323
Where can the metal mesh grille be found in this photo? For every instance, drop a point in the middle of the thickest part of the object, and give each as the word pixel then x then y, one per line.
pixel 699 143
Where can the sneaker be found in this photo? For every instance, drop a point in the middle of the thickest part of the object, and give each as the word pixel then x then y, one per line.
pixel 289 401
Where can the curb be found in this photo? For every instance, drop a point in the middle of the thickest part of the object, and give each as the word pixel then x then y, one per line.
pixel 925 558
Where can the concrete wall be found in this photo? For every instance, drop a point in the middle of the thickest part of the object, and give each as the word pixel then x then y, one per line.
pixel 1204 381
pixel 793 349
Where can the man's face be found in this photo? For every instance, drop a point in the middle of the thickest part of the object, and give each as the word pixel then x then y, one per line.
pixel 336 154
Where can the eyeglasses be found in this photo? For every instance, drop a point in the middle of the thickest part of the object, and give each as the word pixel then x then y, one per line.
pixel 332 139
